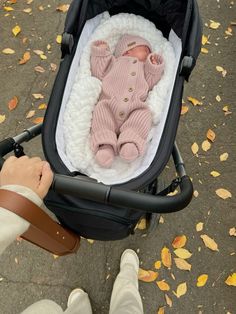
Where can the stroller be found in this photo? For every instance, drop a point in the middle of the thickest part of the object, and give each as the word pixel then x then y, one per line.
pixel 111 212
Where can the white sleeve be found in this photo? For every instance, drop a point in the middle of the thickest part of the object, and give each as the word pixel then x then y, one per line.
pixel 11 225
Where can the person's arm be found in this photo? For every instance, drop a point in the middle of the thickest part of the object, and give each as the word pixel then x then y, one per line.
pixel 30 178
pixel 153 69
pixel 101 59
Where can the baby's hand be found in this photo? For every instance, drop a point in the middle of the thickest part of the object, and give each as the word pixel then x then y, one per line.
pixel 156 59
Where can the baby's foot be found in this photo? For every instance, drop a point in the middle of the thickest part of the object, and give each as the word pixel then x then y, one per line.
pixel 105 156
pixel 129 152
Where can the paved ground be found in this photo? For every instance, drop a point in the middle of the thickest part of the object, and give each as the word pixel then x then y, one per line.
pixel 28 274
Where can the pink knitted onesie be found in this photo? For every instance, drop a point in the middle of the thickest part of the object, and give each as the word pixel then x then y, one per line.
pixel 121 115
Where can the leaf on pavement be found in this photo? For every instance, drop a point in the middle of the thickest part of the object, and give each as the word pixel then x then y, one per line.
pixel 223 193
pixel 194 148
pixel 168 300
pixel 12 104
pixel 16 30
pixel 147 275
pixel 162 285
pixel 39 69
pixel 181 290
pixel 166 257
pixel 232 232
pixel 202 279
pixel 231 280
pixel 30 114
pixel 194 101
pixel 38 120
pixel 215 174
pixel 182 253
pixel 214 25
pixel 199 226
pixel 179 241
pixel 2 118
pixel 209 242
pixel 63 8
pixel 142 224
pixel 38 96
pixel 157 264
pixel 161 310
pixel 206 145
pixel 182 264
pixel 8 51
pixel 224 156
pixel 211 135
pixel 184 109
pixel 25 58
pixel 42 106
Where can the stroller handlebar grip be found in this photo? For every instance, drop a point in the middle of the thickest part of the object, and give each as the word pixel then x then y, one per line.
pixel 89 190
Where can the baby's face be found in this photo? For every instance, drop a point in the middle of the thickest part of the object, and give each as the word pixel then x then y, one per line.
pixel 140 52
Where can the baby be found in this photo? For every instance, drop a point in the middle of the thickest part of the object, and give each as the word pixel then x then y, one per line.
pixel 121 119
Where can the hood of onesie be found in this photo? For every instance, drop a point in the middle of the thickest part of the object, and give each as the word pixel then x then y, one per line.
pixel 127 42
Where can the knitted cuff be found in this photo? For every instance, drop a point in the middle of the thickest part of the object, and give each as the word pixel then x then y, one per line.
pixel 153 68
pixel 104 137
pixel 131 136
pixel 98 51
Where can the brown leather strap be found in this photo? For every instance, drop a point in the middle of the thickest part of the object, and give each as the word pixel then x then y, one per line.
pixel 43 231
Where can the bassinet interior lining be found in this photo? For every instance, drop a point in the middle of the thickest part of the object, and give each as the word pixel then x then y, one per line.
pixel 108 176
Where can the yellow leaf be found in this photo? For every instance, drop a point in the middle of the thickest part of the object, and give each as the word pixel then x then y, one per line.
pixel 38 120
pixel 8 51
pixel 232 232
pixel 162 285
pixel 211 135
pixel 8 9
pixel 142 224
pixel 147 275
pixel 223 193
pixel 204 50
pixel 184 109
pixel 182 264
pixel 30 114
pixel 157 264
pixel 201 281
pixel 209 242
pixel 168 300
pixel 206 145
pixel 194 101
pixel 204 39
pixel 161 310
pixel 199 226
pixel 90 241
pixel 231 280
pixel 224 156
pixel 181 289
pixel 166 257
pixel 38 96
pixel 215 174
pixel 25 58
pixel 38 52
pixel 12 104
pixel 214 25
pixel 218 98
pixel 16 30
pixel 59 39
pixel 42 106
pixel 63 8
pixel 219 68
pixel 182 253
pixel 43 57
pixel 179 241
pixel 55 256
pixel 28 10
pixel 194 148
pixel 2 118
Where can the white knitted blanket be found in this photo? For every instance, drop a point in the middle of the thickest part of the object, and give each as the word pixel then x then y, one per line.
pixel 85 93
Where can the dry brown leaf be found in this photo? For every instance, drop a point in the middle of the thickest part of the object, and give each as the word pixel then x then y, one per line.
pixel 181 289
pixel 232 232
pixel 194 101
pixel 157 264
pixel 168 300
pixel 53 67
pixel 147 275
pixel 162 285
pixel 209 242
pixel 12 104
pixel 182 253
pixel 38 96
pixel 30 114
pixel 231 280
pixel 214 25
pixel 161 310
pixel 179 241
pixel 194 148
pixel 223 193
pixel 38 120
pixel 199 226
pixel 211 135
pixel 215 174
pixel 202 279
pixel 25 58
pixel 184 109
pixel 39 69
pixel 224 156
pixel 63 8
pixel 2 118
pixel 166 257
pixel 206 145
pixel 8 51
pixel 182 264
pixel 16 30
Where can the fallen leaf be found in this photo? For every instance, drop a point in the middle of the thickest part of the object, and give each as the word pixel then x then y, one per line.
pixel 194 101
pixel 59 39
pixel 91 241
pixel 43 57
pixel 38 52
pixel 218 98
pixel 182 253
pixel 182 264
pixel 55 256
pixel 29 1
pixel 63 8
pixel 206 145
pixel 16 260
pixel 199 226
pixel 41 8
pixel 166 257
pixel 224 156
pixel 215 174
pixel 38 96
pixel 194 148
pixel 179 241
pixel 232 232
pixel 195 193
pixel 161 220
pixel 204 50
pixel 181 289
pixel 204 40
pixel 25 58
pixel 28 10
pixel 209 242
pixel 214 25
pixel 142 224
pixel 162 285
pixel 42 106
pixel 2 118
pixel 16 30
pixel 53 67
pixel 38 120
pixel 211 135
pixel 161 310
pixel 147 275
pixel 223 193
pixel 168 300
pixel 39 69
pixel 12 104
pixel 30 114
pixel 202 279
pixel 157 264
pixel 184 109
pixel 8 9
pixel 231 280
pixel 8 51
pixel 219 68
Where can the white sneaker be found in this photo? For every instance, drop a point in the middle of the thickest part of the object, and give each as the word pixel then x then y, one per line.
pixel 129 257
pixel 76 293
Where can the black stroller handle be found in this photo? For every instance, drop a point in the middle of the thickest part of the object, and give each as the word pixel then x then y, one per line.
pixel 89 190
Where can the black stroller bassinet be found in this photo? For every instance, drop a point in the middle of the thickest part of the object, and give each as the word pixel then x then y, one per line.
pixel 91 209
